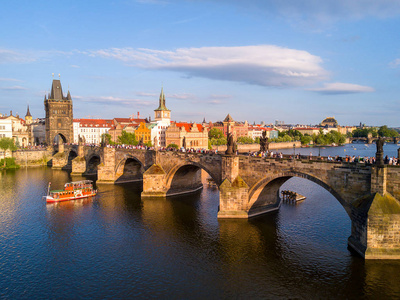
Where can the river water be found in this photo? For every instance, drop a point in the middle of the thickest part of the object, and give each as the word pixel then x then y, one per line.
pixel 118 246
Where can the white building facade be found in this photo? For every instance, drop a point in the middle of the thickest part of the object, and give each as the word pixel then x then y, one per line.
pixel 91 129
pixel 161 122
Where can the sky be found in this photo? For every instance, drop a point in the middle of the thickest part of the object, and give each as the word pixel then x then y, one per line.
pixel 297 61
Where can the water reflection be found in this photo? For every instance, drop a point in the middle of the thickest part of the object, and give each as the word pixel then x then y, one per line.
pixel 120 246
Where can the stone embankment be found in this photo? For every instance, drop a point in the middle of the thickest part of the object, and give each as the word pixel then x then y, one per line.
pixel 32 158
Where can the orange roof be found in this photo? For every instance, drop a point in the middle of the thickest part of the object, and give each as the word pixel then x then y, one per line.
pixel 188 126
pixel 305 128
pixel 94 122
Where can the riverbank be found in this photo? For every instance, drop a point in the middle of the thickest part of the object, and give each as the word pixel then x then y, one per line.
pixel 10 164
pixel 32 158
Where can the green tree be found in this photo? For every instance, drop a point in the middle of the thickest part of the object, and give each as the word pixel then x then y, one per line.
pixel 107 138
pixel 245 140
pixel 173 146
pixel 215 133
pixel 305 139
pixel 7 144
pixel 127 138
pixel 384 131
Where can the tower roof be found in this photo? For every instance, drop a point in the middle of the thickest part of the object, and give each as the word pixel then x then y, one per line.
pixel 228 118
pixel 56 91
pixel 161 105
pixel 28 113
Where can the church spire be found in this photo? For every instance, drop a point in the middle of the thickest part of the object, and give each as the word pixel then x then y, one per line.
pixel 28 113
pixel 162 101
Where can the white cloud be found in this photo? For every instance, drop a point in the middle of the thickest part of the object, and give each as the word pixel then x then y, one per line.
pixel 144 94
pixel 111 100
pixel 11 56
pixel 395 63
pixel 9 79
pixel 324 11
pixel 342 88
pixel 183 96
pixel 265 65
pixel 13 88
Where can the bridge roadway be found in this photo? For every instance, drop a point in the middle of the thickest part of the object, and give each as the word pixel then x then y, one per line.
pixel 249 186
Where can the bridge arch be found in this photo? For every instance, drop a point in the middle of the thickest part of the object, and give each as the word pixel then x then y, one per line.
pixel 92 163
pixel 186 178
pixel 129 169
pixel 59 138
pixel 72 153
pixel 266 191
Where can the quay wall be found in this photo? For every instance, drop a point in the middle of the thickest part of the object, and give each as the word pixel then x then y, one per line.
pixel 32 158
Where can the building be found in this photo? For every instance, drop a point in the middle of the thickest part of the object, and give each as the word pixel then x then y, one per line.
pixel 307 130
pixel 239 129
pixel 59 115
pixel 188 135
pixel 162 120
pixel 255 131
pixel 329 122
pixel 5 127
pixel 143 133
pixel 38 132
pixel 91 129
pixel 125 124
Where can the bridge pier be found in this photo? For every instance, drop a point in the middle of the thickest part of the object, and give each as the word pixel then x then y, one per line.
pixel 60 159
pixel 79 162
pixel 154 182
pixel 106 170
pixel 375 226
pixel 233 192
pixel 233 199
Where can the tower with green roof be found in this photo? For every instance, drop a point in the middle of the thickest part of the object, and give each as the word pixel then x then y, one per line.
pixel 162 113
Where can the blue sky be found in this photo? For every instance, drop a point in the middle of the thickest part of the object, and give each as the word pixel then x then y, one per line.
pixel 297 61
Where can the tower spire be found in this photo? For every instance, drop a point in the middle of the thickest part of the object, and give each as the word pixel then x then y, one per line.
pixel 28 113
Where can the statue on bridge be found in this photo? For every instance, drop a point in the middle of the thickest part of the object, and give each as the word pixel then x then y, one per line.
pixel 398 156
pixel 141 144
pixel 264 144
pixel 184 142
pixel 104 141
pixel 379 150
pixel 230 145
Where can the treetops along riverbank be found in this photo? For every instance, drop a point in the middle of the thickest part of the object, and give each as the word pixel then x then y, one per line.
pixel 7 144
pixel 217 137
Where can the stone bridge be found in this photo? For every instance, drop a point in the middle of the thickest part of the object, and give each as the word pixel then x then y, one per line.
pixel 249 186
pixel 370 140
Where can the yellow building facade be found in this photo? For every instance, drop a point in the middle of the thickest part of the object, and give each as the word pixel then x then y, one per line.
pixel 143 132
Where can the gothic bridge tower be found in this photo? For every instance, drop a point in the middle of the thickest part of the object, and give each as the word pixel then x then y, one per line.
pixel 59 116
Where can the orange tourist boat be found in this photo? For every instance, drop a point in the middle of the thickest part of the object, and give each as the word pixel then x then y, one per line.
pixel 72 191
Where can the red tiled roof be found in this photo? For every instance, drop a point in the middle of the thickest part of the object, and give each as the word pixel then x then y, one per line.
pixel 188 126
pixel 94 122
pixel 305 128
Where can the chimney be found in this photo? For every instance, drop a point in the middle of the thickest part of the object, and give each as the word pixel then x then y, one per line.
pixel 10 112
pixel 138 115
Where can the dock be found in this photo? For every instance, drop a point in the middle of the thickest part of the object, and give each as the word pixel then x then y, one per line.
pixel 292 197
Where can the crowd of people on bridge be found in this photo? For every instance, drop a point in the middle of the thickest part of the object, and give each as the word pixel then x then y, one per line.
pixel 266 154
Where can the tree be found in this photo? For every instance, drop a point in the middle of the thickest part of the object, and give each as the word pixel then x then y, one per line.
pixel 127 138
pixel 245 140
pixel 107 138
pixel 384 131
pixel 173 146
pixel 7 144
pixel 215 133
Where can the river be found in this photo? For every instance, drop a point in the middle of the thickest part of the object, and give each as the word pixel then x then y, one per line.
pixel 118 246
